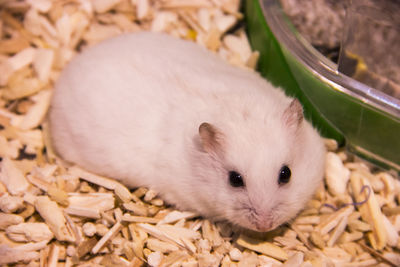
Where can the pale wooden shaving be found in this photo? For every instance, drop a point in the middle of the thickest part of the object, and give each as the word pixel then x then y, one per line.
pixel 95 201
pixel 84 212
pixel 150 195
pixel 95 179
pixel 36 113
pixel 22 59
pixel 26 252
pixel 27 232
pixel 155 258
pixel 54 218
pixel 336 174
pixel 188 245
pixel 113 231
pixel 142 9
pixel 295 260
pixel 357 225
pixel 371 212
pixel 12 177
pixel 99 32
pixel 101 6
pixel 224 22
pixel 175 216
pixel 265 248
pixel 41 5
pixel 391 232
pixel 235 254
pixel 11 255
pixel 161 246
pixel 89 229
pixel 122 192
pixel 7 220
pixel 136 208
pixel 211 233
pixel 333 220
pixel 53 257
pixel 58 195
pixel 301 236
pixel 350 237
pixel 317 239
pixel 42 63
pixel 9 204
pixel 139 219
pixel 308 220
pixel 331 144
pixel 9 149
pixel 253 60
pixel 39 183
pixel 166 4
pixel 337 232
pixel 338 255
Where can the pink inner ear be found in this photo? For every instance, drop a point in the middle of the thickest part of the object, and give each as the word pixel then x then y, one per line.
pixel 293 115
pixel 211 138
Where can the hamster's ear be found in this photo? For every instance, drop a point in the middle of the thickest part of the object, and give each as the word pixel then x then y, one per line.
pixel 293 115
pixel 211 138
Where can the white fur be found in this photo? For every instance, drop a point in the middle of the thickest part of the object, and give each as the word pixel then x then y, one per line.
pixel 130 108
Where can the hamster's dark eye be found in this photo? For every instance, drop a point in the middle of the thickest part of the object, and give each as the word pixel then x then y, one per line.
pixel 284 175
pixel 235 179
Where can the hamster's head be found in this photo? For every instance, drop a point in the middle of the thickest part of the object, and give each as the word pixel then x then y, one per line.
pixel 262 172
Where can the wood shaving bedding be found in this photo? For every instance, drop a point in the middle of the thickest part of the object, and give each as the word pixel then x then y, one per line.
pixel 55 215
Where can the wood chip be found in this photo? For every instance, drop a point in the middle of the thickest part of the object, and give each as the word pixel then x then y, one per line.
pixel 175 216
pixel 36 113
pixel 263 247
pixel 95 179
pixel 161 246
pixel 42 63
pixel 170 4
pixel 391 232
pixel 142 9
pixel 336 174
pixel 9 219
pixel 110 234
pixel 22 59
pixel 25 253
pixel 12 177
pixel 54 218
pixel 9 204
pixel 370 211
pixel 337 232
pixel 41 5
pixel 101 6
pixel 139 219
pixel 13 45
pixel 211 233
pixel 29 232
pixel 12 255
pixel 333 220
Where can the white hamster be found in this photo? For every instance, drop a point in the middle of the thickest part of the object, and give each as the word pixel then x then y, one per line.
pixel 152 110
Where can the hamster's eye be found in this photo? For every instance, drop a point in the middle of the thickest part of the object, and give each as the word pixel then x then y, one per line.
pixel 284 175
pixel 235 179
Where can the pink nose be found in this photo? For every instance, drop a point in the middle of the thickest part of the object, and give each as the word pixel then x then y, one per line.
pixel 263 226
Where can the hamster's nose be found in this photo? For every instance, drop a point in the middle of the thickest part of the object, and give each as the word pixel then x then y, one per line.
pixel 264 226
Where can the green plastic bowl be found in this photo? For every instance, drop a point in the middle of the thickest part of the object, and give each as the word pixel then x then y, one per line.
pixel 366 120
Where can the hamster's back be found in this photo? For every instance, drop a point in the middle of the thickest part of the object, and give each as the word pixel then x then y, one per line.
pixel 131 100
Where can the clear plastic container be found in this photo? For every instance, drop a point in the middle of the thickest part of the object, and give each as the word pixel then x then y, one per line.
pixel 364 119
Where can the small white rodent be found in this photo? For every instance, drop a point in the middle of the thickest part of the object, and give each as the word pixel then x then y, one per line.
pixel 151 110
